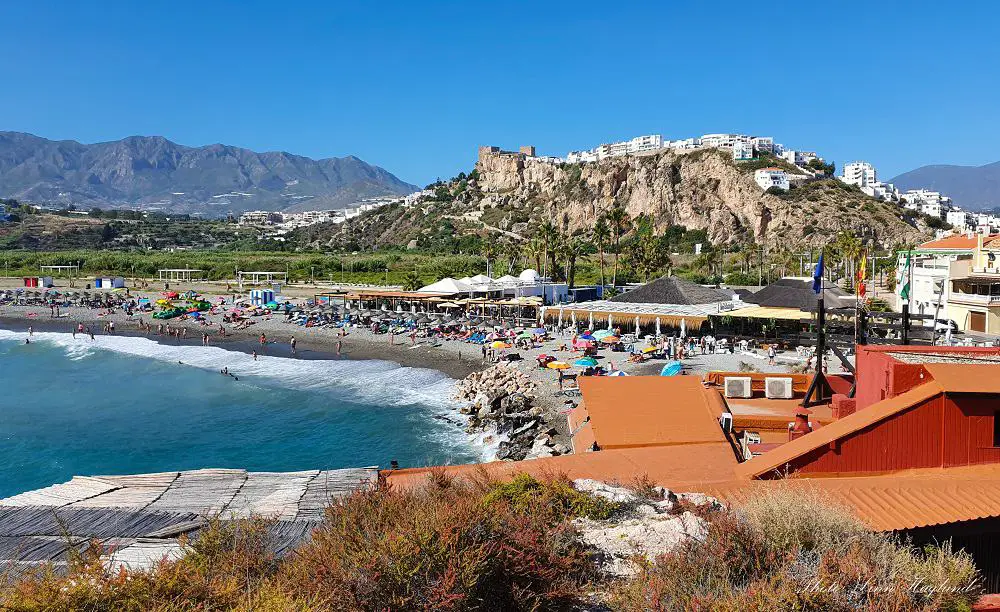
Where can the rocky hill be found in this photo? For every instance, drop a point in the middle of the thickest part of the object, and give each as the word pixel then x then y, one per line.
pixel 702 189
pixel 161 174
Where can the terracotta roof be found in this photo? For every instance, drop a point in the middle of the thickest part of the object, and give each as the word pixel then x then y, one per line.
pixel 965 377
pixel 681 468
pixel 776 459
pixel 902 500
pixel 633 411
pixel 956 242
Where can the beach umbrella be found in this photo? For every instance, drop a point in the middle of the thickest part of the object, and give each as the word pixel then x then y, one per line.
pixel 599 334
pixel 572 318
pixel 611 321
pixel 586 361
pixel 560 317
pixel 618 373
pixel 657 326
pixel 557 365
pixel 499 344
pixel 683 328
pixel 611 340
pixel 539 331
pixel 649 349
pixel 591 325
pixel 673 368
pixel 525 335
pixel 637 324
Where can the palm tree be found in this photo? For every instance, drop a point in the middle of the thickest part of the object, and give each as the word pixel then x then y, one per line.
pixel 619 220
pixel 489 250
pixel 412 281
pixel 601 234
pixel 548 235
pixel 533 251
pixel 573 247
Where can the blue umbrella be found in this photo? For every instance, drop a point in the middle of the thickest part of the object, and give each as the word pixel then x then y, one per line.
pixel 585 361
pixel 673 368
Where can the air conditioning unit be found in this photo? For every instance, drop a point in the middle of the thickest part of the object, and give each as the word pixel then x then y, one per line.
pixel 737 386
pixel 726 421
pixel 752 437
pixel 778 388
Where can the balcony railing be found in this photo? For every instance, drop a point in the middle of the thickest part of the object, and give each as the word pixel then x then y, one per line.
pixel 974 298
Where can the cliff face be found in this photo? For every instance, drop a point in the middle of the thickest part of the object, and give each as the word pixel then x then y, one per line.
pixel 700 189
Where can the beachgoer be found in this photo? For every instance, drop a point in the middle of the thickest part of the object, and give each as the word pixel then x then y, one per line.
pixel 770 355
pixel 292 343
pixel 27 340
pixel 255 355
pixel 111 327
pixel 74 333
pixel 90 332
pixel 31 331
pixel 340 343
pixel 263 339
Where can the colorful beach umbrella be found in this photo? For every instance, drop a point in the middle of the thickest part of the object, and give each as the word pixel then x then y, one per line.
pixel 585 362
pixel 500 345
pixel 611 340
pixel 602 334
pixel 557 365
pixel 673 368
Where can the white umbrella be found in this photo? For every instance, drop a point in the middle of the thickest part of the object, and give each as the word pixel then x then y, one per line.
pixel 610 321
pixel 657 326
pixel 541 316
pixel 560 317
pixel 572 318
pixel 683 328
pixel 637 325
pixel 591 320
pixel 399 308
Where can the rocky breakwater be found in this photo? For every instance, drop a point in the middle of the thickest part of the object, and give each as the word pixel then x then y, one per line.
pixel 502 399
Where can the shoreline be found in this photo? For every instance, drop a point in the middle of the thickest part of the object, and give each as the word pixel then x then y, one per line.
pixel 311 344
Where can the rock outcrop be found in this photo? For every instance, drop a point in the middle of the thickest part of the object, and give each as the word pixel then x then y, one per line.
pixel 701 189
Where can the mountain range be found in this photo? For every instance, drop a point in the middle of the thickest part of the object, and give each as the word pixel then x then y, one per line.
pixel 155 173
pixel 971 187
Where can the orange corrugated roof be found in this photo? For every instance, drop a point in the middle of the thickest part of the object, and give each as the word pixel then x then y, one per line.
pixel 682 468
pixel 902 500
pixel 776 459
pixel 957 241
pixel 966 377
pixel 634 411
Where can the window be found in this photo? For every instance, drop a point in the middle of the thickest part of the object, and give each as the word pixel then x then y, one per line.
pixel 996 428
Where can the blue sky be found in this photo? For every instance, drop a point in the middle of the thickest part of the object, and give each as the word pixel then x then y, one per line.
pixel 416 86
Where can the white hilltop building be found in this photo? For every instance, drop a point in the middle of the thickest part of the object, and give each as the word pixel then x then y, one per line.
pixel 863 174
pixel 771 177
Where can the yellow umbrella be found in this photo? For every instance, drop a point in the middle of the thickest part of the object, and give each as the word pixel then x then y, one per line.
pixel 499 344
pixel 611 340
pixel 557 365
pixel 649 349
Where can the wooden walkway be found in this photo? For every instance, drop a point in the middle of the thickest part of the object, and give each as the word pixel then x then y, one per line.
pixel 139 518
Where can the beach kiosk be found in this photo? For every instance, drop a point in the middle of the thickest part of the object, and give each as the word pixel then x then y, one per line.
pixel 31 281
pixel 261 297
pixel 106 282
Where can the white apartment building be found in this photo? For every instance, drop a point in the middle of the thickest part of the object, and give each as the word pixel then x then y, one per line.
pixel 763 143
pixel 799 158
pixel 863 174
pixel 742 151
pixel 859 173
pixel 771 177
pixel 921 196
pixel 959 219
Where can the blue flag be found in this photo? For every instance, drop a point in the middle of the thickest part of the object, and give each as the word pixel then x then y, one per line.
pixel 818 275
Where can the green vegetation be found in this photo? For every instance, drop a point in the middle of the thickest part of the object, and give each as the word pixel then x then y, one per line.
pixel 485 545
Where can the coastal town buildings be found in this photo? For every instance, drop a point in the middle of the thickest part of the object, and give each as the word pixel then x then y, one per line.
pixel 743 151
pixel 767 178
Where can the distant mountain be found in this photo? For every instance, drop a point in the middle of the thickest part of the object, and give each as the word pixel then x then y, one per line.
pixel 971 187
pixel 159 174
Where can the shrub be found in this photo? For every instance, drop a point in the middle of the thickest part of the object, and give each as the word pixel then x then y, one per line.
pixel 793 549
pixel 556 496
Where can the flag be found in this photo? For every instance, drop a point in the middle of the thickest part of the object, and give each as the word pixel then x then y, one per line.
pixel 818 275
pixel 903 278
pixel 862 274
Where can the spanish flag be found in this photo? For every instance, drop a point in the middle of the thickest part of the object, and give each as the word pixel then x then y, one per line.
pixel 862 274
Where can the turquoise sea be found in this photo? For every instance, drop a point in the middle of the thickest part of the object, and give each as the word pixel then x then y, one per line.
pixel 121 405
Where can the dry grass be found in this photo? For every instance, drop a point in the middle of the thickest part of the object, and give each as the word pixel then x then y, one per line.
pixel 480 544
pixel 795 549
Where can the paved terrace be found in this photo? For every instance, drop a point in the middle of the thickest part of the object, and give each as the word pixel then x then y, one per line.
pixel 139 518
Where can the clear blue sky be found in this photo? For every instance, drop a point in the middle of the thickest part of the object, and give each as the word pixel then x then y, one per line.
pixel 416 86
